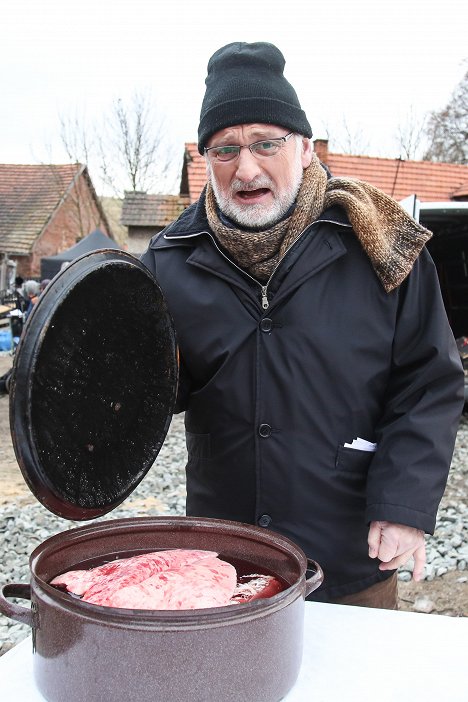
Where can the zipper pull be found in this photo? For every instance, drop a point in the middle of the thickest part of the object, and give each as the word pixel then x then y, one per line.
pixel 265 303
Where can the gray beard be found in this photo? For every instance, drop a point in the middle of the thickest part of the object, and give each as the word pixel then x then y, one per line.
pixel 258 216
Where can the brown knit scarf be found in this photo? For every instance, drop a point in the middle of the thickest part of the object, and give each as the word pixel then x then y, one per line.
pixel 389 236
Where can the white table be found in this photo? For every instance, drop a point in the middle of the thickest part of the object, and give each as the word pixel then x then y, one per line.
pixel 351 654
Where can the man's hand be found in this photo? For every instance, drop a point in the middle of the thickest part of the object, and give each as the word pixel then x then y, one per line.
pixel 394 544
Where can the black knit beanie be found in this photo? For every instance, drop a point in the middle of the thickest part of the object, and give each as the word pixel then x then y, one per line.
pixel 245 84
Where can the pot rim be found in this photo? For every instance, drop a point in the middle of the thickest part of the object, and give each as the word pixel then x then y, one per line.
pixel 138 618
pixel 207 524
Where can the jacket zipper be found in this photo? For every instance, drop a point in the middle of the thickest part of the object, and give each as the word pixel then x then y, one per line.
pixel 263 288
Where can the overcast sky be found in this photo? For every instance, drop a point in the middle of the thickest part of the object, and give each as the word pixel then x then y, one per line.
pixel 368 64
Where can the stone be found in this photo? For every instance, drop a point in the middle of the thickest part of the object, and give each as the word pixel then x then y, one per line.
pixel 429 572
pixel 423 604
pixel 404 576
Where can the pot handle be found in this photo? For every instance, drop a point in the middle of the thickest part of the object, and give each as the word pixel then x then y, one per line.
pixel 316 579
pixel 14 611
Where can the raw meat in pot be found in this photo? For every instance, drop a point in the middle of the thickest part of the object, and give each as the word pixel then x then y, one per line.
pixel 126 571
pixel 255 587
pixel 167 580
pixel 175 579
pixel 208 583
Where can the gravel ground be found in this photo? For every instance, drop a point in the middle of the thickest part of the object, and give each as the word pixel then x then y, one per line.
pixel 162 492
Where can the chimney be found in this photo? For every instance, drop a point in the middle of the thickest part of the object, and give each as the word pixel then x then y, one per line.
pixel 321 149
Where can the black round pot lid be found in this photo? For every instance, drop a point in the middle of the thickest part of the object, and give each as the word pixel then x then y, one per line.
pixel 94 384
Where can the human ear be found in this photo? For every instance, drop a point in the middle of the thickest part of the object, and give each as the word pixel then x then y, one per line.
pixel 307 151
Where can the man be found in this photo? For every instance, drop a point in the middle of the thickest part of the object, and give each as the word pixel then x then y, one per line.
pixel 320 379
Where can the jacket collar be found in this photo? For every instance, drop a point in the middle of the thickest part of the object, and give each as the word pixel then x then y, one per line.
pixel 193 222
pixel 191 231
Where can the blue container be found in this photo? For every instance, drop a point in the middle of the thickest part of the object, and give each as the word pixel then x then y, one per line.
pixel 5 340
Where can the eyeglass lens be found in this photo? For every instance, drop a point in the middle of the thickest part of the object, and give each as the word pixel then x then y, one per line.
pixel 268 147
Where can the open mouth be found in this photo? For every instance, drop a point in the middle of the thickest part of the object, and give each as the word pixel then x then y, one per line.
pixel 247 195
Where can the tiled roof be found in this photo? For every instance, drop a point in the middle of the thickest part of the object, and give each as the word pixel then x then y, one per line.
pixel 429 181
pixel 143 210
pixel 29 195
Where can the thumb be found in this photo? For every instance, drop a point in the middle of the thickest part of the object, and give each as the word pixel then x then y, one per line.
pixel 373 539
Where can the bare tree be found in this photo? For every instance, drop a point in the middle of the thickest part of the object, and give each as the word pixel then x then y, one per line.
pixel 78 143
pixel 130 149
pixel 447 130
pixel 76 138
pixel 134 147
pixel 348 140
pixel 411 135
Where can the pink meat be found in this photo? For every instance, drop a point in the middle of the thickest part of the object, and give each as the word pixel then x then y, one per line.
pixel 209 582
pixel 104 580
pixel 177 579
pixel 76 581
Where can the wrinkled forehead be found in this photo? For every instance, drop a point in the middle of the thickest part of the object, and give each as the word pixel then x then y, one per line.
pixel 245 133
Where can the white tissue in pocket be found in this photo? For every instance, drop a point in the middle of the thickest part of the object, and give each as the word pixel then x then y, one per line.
pixel 361 445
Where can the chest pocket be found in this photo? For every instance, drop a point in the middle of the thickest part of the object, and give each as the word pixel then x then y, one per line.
pixel 353 461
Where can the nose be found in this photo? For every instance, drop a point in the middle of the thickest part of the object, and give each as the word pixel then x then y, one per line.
pixel 247 166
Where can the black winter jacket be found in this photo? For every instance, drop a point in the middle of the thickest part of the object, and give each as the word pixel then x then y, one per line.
pixel 276 379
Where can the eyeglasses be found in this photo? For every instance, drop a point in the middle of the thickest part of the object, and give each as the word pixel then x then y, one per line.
pixel 260 149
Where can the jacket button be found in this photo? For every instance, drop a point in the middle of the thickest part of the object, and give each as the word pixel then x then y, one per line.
pixel 264 430
pixel 266 325
pixel 264 520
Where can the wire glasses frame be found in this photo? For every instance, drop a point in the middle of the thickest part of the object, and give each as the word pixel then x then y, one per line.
pixel 259 149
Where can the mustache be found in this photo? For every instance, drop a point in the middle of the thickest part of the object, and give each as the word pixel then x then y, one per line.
pixel 255 184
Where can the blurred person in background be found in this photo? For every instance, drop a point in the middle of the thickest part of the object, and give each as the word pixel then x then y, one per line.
pixel 32 290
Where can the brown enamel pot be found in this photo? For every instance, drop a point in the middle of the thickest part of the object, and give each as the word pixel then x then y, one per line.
pixel 239 653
